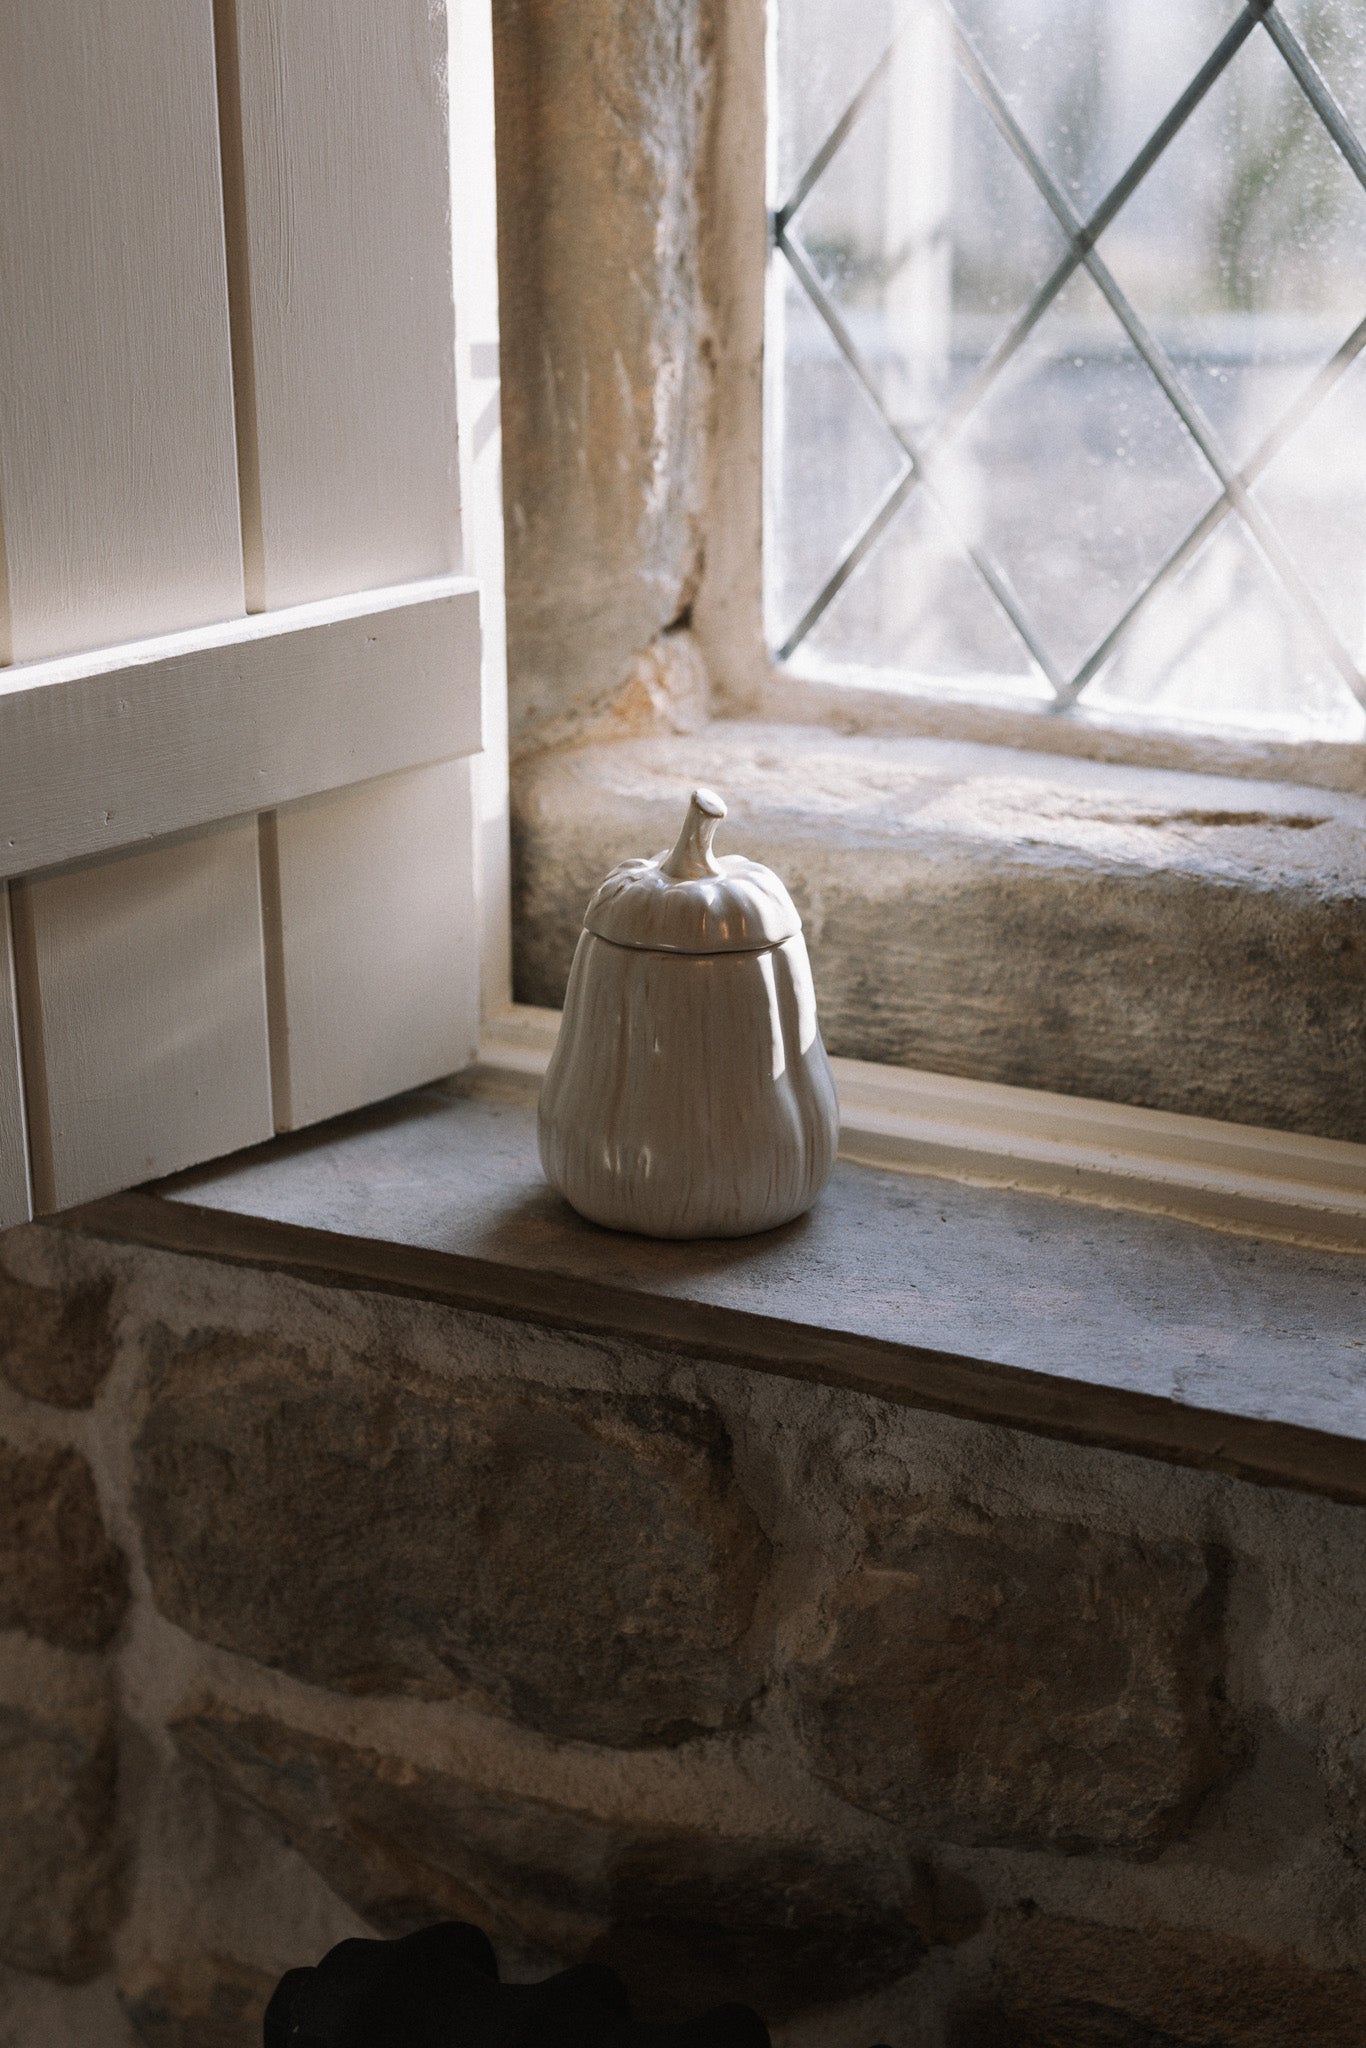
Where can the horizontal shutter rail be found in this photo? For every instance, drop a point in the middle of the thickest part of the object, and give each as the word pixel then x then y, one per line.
pixel 105 750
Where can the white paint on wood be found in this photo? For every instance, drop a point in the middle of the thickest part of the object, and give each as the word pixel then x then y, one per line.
pixel 1237 1176
pixel 375 985
pixel 6 653
pixel 141 979
pixel 346 212
pixel 14 1197
pixel 117 469
pixel 345 255
pixel 479 395
pixel 101 751
pixel 142 1006
pixel 1231 1176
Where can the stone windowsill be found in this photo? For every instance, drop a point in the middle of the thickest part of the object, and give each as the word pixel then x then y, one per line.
pixel 1193 943
pixel 1137 1332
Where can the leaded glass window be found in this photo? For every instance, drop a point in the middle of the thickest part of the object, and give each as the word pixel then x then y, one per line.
pixel 1065 398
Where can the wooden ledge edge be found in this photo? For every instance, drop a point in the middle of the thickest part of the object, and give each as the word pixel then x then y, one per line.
pixel 1069 1410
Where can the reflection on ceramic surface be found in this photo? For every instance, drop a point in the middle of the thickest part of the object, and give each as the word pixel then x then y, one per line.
pixel 689 1094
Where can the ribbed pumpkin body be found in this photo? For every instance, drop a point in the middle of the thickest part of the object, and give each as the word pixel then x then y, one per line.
pixel 689 1094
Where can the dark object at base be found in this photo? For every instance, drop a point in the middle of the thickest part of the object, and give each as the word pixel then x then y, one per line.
pixel 440 1989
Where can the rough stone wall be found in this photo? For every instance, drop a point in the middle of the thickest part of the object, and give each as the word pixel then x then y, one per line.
pixel 329 1611
pixel 1113 932
pixel 603 116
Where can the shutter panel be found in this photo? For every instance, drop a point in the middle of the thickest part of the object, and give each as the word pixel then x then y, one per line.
pixel 344 220
pixel 345 213
pixel 148 967
pixel 118 475
pixel 375 990
pixel 479 395
pixel 227 364
pixel 118 495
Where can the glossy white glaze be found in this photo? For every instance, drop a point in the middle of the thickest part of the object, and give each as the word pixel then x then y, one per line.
pixel 687 901
pixel 689 1094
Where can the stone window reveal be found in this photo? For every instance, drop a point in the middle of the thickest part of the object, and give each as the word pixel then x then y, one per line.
pixel 1063 335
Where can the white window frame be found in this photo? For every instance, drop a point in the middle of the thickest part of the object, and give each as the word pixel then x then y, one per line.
pixel 729 609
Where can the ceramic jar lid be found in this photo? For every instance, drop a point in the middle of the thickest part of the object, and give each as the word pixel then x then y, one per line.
pixel 688 901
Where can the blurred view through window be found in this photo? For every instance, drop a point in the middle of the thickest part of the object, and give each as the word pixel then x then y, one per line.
pixel 1065 383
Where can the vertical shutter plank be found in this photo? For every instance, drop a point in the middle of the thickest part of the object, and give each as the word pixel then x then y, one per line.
pixel 370 894
pixel 118 478
pixel 479 398
pixel 347 259
pixel 374 893
pixel 139 980
pixel 14 1196
pixel 142 1002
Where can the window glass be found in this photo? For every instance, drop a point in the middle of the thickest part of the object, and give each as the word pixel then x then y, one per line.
pixel 1065 397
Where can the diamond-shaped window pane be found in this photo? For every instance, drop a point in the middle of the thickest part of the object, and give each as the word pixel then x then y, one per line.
pixel 1245 247
pixel 1315 494
pixel 830 456
pixel 1089 80
pixel 1334 34
pixel 823 55
pixel 917 607
pixel 1075 446
pixel 1076 474
pixel 1222 646
pixel 925 230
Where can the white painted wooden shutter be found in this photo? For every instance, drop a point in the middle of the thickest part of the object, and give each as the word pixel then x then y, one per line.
pixel 240 702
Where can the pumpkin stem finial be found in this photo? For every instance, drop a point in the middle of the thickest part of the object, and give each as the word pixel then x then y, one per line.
pixel 692 857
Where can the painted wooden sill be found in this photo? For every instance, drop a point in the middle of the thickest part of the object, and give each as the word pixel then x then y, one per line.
pixel 1272 1184
pixel 1140 1332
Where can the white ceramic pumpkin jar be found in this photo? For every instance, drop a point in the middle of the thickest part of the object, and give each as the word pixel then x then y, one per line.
pixel 689 1094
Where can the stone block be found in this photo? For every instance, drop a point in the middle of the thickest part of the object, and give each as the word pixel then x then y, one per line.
pixel 696 1921
pixel 35 2012
pixel 1022 1683
pixel 1070 1984
pixel 196 2001
pixel 687 1915
pixel 583 1562
pixel 60 1576
pixel 602 119
pixel 58 1869
pixel 56 1327
pixel 1131 934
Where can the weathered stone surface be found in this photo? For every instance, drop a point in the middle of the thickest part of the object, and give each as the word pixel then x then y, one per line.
pixel 697 1921
pixel 1069 1984
pixel 585 1563
pixel 686 1915
pixel 60 1576
pixel 58 1889
pixel 665 689
pixel 601 117
pixel 1132 934
pixel 35 2012
pixel 56 1332
pixel 196 2001
pixel 1018 1682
